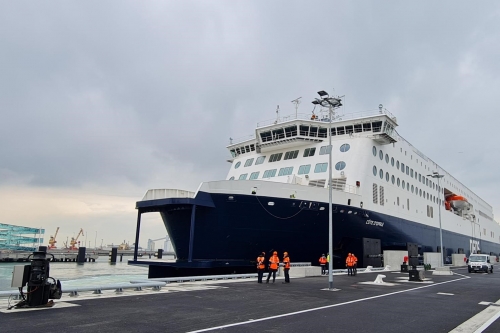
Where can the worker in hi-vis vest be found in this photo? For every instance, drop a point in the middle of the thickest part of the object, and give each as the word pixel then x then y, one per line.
pixel 260 266
pixel 349 263
pixel 322 263
pixel 274 261
pixel 286 266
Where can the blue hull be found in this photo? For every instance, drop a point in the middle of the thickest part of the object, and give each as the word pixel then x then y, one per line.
pixel 241 228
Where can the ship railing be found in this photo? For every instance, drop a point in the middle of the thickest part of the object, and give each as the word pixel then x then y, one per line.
pixel 336 187
pixel 155 194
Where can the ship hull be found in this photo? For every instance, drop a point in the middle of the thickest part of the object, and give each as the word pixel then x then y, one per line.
pixel 239 227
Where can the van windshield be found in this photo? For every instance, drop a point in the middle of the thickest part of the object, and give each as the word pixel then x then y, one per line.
pixel 477 258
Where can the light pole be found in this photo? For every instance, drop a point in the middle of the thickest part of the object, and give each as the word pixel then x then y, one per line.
pixel 95 241
pixel 435 174
pixel 331 103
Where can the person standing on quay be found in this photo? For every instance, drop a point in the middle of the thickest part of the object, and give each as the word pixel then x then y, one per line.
pixel 260 266
pixel 274 261
pixel 355 266
pixel 322 263
pixel 286 266
pixel 349 263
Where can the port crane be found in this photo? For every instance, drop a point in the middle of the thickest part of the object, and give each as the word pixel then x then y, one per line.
pixel 52 240
pixel 74 240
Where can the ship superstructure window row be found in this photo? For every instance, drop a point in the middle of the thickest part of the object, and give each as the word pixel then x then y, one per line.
pixel 260 160
pixel 242 150
pixel 320 167
pixel 269 173
pixel 291 154
pixel 285 171
pixel 304 169
pixel 249 162
pixel 254 175
pixel 243 176
pixel 309 152
pixel 275 157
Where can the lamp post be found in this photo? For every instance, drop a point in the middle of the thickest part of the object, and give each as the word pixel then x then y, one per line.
pixel 331 103
pixel 435 174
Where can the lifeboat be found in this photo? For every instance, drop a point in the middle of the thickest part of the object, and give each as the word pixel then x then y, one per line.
pixel 457 202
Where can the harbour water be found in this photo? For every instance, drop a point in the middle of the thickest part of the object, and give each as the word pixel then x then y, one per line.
pixel 89 274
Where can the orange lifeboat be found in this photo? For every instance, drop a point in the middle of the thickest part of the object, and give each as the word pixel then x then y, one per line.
pixel 457 202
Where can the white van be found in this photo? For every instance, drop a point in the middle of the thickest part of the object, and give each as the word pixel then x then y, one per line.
pixel 479 262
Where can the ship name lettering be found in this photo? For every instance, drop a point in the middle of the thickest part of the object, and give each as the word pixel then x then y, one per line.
pixel 375 223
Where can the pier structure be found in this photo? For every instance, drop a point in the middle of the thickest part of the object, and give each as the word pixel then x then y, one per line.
pixel 14 237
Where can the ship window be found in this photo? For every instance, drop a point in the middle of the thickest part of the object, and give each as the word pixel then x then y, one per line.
pixel 408 186
pixel 382 200
pixel 290 131
pixel 345 147
pixel 393 179
pixel 358 128
pixel 381 173
pixel 309 152
pixel 333 131
pixel 399 182
pixel 320 167
pixel 416 190
pixel 249 162
pixel 324 150
pixel 254 175
pixel 397 164
pixel 278 134
pixel 412 188
pixel 237 165
pixel 291 154
pixel 232 178
pixel 386 158
pixel 348 129
pixel 419 177
pixel 392 161
pixel 427 181
pixel 402 167
pixel 408 203
pixel 247 149
pixel 340 165
pixel 304 130
pixel 285 171
pixel 275 157
pixel 322 132
pixel 398 201
pixel 266 136
pixel 386 176
pixel 403 184
pixel 411 173
pixel 374 170
pixel 243 176
pixel 407 170
pixel 233 153
pixel 374 150
pixel 313 131
pixel 381 155
pixel 427 195
pixel 269 173
pixel 377 126
pixel 367 127
pixel 238 151
pixel 304 169
pixel 252 147
pixel 420 192
pixel 375 193
pixel 260 160
pixel 340 130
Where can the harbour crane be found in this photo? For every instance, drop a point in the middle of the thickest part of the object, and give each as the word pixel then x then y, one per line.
pixel 74 240
pixel 52 240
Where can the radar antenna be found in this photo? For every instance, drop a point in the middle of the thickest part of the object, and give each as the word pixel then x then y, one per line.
pixel 296 102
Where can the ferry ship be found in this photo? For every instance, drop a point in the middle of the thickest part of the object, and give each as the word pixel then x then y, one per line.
pixel 276 195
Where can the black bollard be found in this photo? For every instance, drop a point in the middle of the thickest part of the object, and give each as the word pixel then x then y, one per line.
pixel 150 256
pixel 81 254
pixel 160 253
pixel 121 257
pixel 113 254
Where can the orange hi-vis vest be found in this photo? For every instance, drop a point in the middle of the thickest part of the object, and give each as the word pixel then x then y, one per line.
pixel 274 262
pixel 260 262
pixel 322 261
pixel 286 262
pixel 350 261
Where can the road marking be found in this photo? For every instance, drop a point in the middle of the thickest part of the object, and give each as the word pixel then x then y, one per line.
pixel 323 307
pixel 481 321
pixel 447 294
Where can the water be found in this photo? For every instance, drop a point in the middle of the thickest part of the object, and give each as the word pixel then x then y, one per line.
pixel 89 274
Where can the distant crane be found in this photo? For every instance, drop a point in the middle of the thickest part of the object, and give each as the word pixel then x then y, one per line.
pixel 52 240
pixel 74 240
pixel 151 242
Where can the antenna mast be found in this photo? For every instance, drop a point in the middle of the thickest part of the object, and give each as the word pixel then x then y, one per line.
pixel 296 102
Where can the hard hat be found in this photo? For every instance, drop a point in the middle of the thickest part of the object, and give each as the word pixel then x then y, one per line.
pixel 275 252
pixel 285 253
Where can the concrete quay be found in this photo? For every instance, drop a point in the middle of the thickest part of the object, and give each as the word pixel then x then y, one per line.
pixel 461 302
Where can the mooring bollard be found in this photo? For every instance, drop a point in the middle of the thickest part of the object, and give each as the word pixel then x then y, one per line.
pixel 81 254
pixel 160 253
pixel 113 254
pixel 121 257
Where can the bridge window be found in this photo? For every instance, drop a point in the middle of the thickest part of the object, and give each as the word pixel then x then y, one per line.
pixel 275 157
pixel 249 162
pixel 291 154
pixel 260 160
pixel 313 131
pixel 290 131
pixel 304 169
pixel 367 127
pixel 358 128
pixel 278 134
pixel 322 132
pixel 340 130
pixel 377 126
pixel 320 167
pixel 266 136
pixel 304 130
pixel 309 152
pixel 349 129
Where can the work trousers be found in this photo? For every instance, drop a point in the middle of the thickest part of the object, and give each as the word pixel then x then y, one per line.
pixel 350 270
pixel 287 277
pixel 273 272
pixel 323 269
pixel 260 273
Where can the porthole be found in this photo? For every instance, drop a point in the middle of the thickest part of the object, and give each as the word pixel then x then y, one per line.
pixel 381 173
pixel 399 183
pixel 386 158
pixel 416 190
pixel 374 150
pixel 374 170
pixel 381 155
pixel 270 203
pixel 387 176
pixel 403 184
pixel 412 188
pixel 237 165
pixel 397 164
pixel 408 186
pixel 345 147
pixel 340 165
pixel 420 192
pixel 392 161
pixel 393 179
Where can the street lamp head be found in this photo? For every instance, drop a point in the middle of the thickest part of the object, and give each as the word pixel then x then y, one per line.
pixel 323 93
pixel 317 102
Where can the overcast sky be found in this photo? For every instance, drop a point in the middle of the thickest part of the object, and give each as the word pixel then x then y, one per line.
pixel 102 100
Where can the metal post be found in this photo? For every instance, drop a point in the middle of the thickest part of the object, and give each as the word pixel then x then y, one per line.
pixel 440 229
pixel 330 217
pixel 191 234
pixel 137 231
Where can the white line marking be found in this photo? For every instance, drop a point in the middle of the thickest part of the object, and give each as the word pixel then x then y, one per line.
pixel 446 294
pixel 324 307
pixel 480 321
